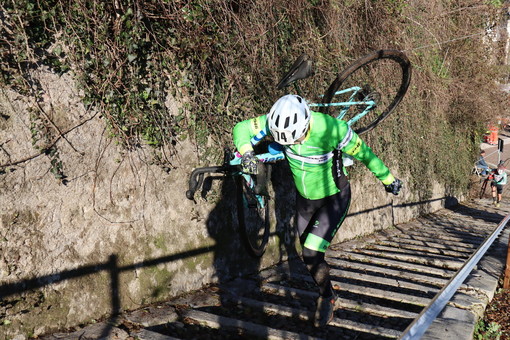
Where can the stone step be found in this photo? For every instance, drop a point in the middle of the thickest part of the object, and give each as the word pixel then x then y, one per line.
pixel 397 283
pixel 428 247
pixel 383 294
pixel 247 328
pixel 398 248
pixel 446 237
pixel 415 257
pixel 414 277
pixel 407 238
pixel 145 334
pixel 435 261
pixel 375 292
pixel 392 263
pixel 383 281
pixel 365 328
pixel 305 315
pixel 342 302
pixel 152 316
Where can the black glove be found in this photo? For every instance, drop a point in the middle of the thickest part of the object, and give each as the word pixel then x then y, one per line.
pixel 249 163
pixel 394 187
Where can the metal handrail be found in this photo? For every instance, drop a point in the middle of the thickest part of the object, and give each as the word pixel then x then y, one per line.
pixel 420 325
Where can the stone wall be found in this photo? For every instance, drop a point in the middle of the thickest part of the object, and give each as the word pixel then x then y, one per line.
pixel 118 232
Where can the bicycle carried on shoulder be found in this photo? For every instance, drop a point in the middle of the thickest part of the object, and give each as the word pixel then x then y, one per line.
pixel 372 87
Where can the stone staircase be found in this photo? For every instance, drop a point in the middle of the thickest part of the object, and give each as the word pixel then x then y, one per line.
pixel 383 281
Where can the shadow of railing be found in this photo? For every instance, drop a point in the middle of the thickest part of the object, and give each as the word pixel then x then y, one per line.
pixel 224 264
pixel 111 266
pixel 449 202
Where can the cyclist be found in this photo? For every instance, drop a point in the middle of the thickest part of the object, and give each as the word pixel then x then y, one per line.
pixel 498 180
pixel 313 143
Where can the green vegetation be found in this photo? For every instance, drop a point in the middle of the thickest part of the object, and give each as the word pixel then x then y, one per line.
pixel 496 320
pixel 491 331
pixel 161 71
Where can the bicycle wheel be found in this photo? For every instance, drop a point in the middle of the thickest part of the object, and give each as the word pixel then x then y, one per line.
pixel 484 188
pixel 253 216
pixel 384 77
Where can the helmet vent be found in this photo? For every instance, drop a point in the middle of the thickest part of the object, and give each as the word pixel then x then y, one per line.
pixel 288 119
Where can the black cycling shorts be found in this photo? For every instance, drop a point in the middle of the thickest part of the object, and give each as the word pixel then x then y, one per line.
pixel 319 220
pixel 499 187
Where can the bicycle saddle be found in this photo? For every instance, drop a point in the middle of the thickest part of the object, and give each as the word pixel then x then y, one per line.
pixel 301 69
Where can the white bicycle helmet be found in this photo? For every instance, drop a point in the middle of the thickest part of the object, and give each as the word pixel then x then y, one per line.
pixel 288 119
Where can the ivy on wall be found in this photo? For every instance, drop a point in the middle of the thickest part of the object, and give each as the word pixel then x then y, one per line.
pixel 220 60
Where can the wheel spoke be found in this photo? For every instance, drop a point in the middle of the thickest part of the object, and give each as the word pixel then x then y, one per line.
pixel 382 79
pixel 253 215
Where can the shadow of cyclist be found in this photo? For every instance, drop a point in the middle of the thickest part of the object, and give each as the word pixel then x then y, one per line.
pixel 235 270
pixel 284 211
pixel 231 259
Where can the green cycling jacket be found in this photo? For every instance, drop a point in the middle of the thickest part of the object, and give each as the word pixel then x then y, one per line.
pixel 311 162
pixel 500 179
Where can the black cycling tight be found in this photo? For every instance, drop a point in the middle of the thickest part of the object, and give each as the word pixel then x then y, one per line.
pixel 320 220
pixel 319 269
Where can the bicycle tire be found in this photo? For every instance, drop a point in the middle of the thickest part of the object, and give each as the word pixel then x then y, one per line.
pixel 368 62
pixel 483 188
pixel 253 217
